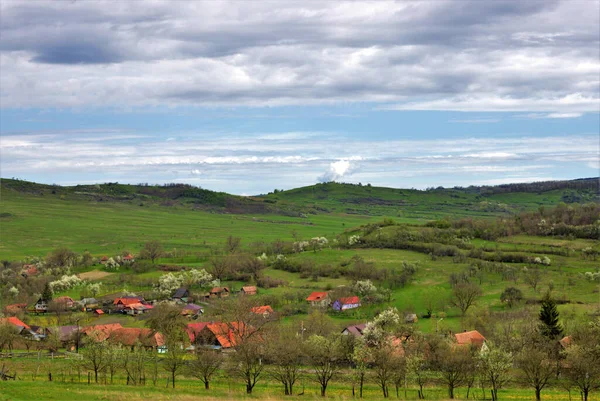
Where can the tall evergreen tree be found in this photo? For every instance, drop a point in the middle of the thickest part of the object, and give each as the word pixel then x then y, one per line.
pixel 47 293
pixel 549 325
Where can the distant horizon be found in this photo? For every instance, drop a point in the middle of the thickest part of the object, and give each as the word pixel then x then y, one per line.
pixel 264 95
pixel 297 187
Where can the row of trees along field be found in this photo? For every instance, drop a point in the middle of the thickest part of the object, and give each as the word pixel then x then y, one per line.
pixel 389 354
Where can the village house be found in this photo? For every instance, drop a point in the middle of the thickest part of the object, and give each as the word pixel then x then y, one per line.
pixel 64 301
pixel 88 304
pixel 15 309
pixel 346 303
pixel 354 330
pixel 132 337
pixel 100 332
pixel 411 318
pixel 249 290
pixel 41 306
pixel 192 311
pixel 104 259
pixel 318 299
pixel 20 327
pixel 181 295
pixel 128 259
pixel 29 271
pixel 121 303
pixel 98 312
pixel 219 292
pixel 471 338
pixel 136 309
pixel 265 310
pixel 68 335
pixel 216 335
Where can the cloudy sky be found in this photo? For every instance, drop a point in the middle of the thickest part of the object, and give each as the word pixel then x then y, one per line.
pixel 246 97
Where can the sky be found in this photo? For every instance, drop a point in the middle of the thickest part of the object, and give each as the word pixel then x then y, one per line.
pixel 247 97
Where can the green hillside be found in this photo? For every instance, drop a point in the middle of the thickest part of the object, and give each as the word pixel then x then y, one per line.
pixel 105 218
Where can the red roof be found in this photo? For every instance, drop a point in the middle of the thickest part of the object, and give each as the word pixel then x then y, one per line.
pixel 261 310
pixel 15 308
pixel 99 312
pixel 104 258
pixel 227 335
pixel 30 270
pixel 14 321
pixel 249 289
pixel 470 338
pixel 132 335
pixel 349 300
pixel 64 299
pixel 317 296
pixel 127 300
pixel 128 257
pixel 566 341
pixel 194 328
pixel 217 290
pixel 101 331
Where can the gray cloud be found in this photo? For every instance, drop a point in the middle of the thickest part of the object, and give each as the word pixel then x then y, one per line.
pixel 450 55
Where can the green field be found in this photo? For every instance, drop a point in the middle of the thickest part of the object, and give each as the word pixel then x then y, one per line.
pixel 109 219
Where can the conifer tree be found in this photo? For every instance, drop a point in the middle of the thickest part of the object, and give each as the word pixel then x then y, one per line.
pixel 549 325
pixel 47 293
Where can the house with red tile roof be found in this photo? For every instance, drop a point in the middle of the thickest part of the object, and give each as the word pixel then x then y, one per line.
pixel 121 303
pixel 100 332
pixel 128 258
pixel 13 309
pixel 249 290
pixel 192 310
pixel 318 298
pixel 346 303
pixel 29 271
pixel 471 338
pixel 98 312
pixel 265 310
pixel 104 259
pixel 134 336
pixel 65 301
pixel 217 335
pixel 565 342
pixel 15 321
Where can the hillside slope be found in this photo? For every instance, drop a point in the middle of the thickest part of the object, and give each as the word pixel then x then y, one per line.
pixel 434 203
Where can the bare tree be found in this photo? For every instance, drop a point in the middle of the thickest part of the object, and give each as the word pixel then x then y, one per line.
pixel 174 360
pixel 134 364
pixel 205 364
pixel 232 244
pixel 246 363
pixel 152 250
pixel 95 356
pixel 495 365
pixel 454 364
pixel 220 267
pixel 464 296
pixel 323 354
pixel 286 358
pixel 386 361
pixel 537 368
pixel 532 277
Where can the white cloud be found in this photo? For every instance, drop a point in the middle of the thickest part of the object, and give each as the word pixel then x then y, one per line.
pixel 414 55
pixel 338 170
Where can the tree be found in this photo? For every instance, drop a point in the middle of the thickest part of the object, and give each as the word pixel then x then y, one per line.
pixel 386 361
pixel 323 354
pixel 114 358
pixel 454 365
pixel 205 364
pixel 537 368
pixel 174 359
pixel 582 358
pixel 495 365
pixel 152 250
pixel 549 324
pixel 418 370
pixel 532 277
pixel 232 244
pixel 95 356
pixel 511 296
pixel 167 319
pixel 134 364
pixel 8 335
pixel 61 257
pixel 464 296
pixel 246 363
pixel 47 292
pixel 360 357
pixel 253 266
pixel 220 267
pixel 434 299
pixel 286 359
